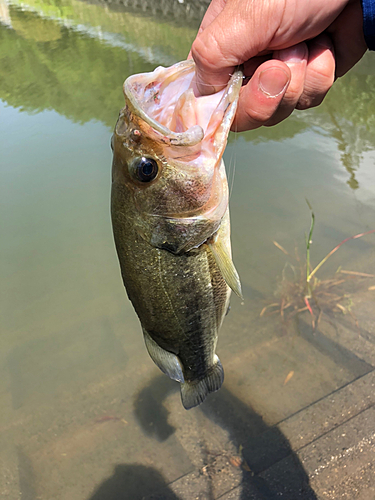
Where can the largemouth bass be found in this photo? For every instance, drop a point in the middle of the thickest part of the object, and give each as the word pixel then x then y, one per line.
pixel 171 221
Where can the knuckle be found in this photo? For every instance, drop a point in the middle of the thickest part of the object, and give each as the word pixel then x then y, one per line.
pixel 206 52
pixel 321 76
pixel 200 53
pixel 312 97
pixel 316 87
pixel 307 102
pixel 292 95
pixel 258 118
pixel 279 116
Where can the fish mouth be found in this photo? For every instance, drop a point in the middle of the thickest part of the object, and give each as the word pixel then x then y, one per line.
pixel 166 101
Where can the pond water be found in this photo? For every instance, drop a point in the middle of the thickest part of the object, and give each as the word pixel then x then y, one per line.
pixel 84 412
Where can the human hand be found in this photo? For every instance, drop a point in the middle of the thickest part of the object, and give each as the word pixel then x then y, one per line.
pixel 291 51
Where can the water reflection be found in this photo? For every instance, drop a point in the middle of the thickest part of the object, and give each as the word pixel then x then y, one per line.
pixel 76 75
pixel 181 12
pixel 347 116
pixel 33 27
pixel 5 19
pixel 79 72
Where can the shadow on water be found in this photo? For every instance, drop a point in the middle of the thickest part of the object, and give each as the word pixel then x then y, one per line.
pixel 263 448
pixel 275 468
pixel 26 476
pixel 130 482
pixel 341 355
pixel 149 410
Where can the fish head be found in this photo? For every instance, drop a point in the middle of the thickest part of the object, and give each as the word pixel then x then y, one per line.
pixel 168 145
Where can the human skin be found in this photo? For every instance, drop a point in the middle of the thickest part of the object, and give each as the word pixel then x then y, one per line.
pixel 291 52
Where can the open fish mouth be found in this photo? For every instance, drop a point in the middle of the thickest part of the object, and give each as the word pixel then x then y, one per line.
pixel 165 99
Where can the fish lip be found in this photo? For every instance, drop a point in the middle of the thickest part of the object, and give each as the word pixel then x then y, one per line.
pixel 194 134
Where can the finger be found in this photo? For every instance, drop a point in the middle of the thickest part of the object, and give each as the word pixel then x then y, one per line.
pixel 348 38
pixel 232 38
pixel 296 59
pixel 261 97
pixel 213 10
pixel 247 28
pixel 320 72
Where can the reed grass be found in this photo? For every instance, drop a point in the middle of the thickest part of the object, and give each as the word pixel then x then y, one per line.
pixel 304 291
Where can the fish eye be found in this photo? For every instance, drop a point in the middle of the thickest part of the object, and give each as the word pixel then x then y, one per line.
pixel 143 169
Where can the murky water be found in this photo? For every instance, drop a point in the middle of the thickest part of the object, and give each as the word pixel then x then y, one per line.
pixel 84 412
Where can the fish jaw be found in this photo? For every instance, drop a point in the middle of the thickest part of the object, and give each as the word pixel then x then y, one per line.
pixel 186 136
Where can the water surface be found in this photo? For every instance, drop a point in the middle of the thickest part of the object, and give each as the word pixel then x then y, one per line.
pixel 85 414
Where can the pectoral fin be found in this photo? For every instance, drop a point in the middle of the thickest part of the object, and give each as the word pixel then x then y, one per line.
pixel 226 266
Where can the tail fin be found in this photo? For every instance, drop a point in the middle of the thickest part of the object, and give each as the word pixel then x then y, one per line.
pixel 195 392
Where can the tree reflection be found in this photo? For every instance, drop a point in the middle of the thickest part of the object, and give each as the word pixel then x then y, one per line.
pixel 346 115
pixel 76 75
pixel 79 74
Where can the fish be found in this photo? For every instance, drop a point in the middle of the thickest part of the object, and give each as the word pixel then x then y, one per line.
pixel 170 218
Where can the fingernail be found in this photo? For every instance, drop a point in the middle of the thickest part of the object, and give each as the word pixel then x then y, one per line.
pixel 273 81
pixel 294 54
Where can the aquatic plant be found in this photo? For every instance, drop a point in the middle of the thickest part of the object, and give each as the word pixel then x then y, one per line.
pixel 304 291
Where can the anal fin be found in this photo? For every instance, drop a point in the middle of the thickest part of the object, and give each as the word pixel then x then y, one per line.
pixel 166 361
pixel 195 392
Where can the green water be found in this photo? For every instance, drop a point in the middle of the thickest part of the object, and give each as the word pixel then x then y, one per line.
pixel 84 412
